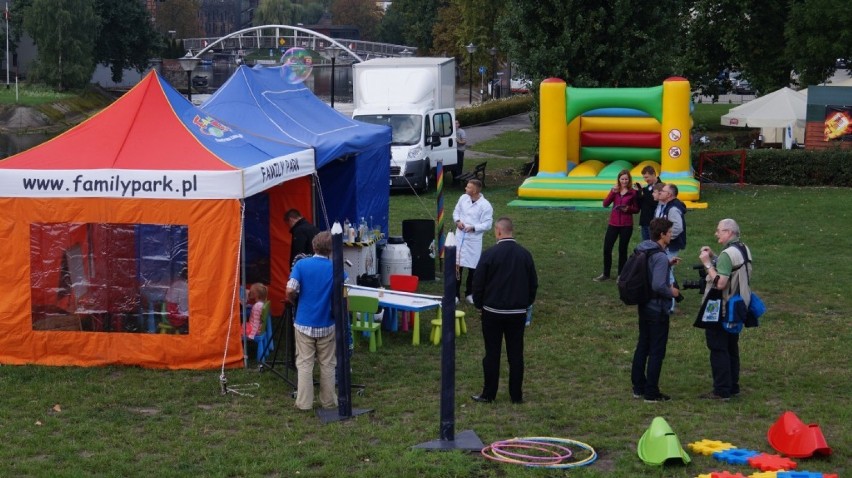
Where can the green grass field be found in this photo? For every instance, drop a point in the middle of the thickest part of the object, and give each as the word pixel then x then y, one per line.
pixel 27 95
pixel 126 421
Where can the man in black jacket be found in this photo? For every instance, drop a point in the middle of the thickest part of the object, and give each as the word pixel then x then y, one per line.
pixel 647 203
pixel 504 287
pixel 303 233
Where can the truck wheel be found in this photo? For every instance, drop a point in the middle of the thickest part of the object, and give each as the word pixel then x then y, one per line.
pixel 426 176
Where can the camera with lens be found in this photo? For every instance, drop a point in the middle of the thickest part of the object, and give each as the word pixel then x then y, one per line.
pixel 698 284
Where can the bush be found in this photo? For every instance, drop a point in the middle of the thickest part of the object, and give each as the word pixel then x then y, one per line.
pixel 494 110
pixel 797 167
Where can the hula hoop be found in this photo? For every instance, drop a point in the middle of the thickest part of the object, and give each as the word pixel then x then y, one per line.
pixel 497 452
pixel 499 449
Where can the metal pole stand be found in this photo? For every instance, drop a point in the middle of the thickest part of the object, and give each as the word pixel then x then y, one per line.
pixel 285 342
pixel 344 370
pixel 466 440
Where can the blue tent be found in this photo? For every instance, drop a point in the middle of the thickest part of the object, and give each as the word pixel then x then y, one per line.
pixel 260 101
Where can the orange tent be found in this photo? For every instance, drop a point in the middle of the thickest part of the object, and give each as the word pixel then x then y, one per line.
pixel 123 235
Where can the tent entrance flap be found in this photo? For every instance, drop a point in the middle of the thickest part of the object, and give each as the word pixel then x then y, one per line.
pixel 109 281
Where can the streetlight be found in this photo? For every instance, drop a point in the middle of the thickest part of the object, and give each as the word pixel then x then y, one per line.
pixel 187 64
pixel 332 50
pixel 471 49
pixel 493 52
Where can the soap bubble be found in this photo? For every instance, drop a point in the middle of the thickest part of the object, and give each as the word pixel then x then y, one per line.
pixel 297 64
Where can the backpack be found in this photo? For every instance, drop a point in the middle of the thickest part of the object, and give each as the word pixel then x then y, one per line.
pixel 634 285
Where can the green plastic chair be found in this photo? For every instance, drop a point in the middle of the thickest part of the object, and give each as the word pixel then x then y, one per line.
pixel 362 311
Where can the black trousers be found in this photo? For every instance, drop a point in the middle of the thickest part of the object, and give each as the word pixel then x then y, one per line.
pixel 623 234
pixel 496 328
pixel 648 357
pixel 724 361
pixel 468 284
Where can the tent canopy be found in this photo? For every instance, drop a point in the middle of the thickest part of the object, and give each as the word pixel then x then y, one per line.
pixel 152 143
pixel 846 82
pixel 259 100
pixel 778 109
pixel 125 234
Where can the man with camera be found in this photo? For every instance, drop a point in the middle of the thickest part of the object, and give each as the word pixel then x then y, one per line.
pixel 727 274
pixel 673 209
pixel 654 315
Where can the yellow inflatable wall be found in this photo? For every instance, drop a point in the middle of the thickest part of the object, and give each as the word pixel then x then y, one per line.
pixel 588 135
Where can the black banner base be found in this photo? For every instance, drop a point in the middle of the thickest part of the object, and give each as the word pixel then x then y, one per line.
pixel 466 440
pixel 331 415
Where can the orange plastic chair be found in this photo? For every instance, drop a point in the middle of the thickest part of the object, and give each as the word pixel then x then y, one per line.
pixel 403 283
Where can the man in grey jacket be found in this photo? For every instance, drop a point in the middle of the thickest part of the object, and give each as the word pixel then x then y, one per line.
pixel 654 315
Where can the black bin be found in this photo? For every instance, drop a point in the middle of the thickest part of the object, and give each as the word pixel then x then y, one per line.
pixel 419 234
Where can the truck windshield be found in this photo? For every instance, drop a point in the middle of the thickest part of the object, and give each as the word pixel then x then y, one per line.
pixel 406 128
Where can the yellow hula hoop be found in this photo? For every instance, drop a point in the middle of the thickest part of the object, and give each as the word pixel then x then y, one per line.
pixel 494 454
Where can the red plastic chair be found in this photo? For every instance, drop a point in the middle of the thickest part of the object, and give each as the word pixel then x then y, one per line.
pixel 402 283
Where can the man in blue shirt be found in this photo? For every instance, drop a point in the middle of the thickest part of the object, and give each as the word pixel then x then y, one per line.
pixel 311 283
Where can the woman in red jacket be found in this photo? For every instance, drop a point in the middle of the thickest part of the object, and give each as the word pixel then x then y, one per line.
pixel 624 205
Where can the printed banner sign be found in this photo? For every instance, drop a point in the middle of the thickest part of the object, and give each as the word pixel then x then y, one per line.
pixel 838 123
pixel 171 184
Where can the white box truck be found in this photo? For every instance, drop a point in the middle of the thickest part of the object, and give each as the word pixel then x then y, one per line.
pixel 416 97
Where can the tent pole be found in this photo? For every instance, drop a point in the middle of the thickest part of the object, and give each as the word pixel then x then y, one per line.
pixel 241 285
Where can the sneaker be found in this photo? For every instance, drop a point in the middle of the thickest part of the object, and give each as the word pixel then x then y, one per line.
pixel 659 398
pixel 601 278
pixel 469 299
pixel 714 396
pixel 637 395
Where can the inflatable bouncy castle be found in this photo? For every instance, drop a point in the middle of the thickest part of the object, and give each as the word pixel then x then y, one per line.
pixel 588 135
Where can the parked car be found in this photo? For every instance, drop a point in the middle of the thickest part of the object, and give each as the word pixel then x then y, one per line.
pixel 743 87
pixel 841 63
pixel 199 81
pixel 521 85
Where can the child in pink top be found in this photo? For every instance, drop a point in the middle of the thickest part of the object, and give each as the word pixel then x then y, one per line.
pixel 257 297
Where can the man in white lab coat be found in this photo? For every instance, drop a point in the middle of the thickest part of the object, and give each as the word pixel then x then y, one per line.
pixel 473 216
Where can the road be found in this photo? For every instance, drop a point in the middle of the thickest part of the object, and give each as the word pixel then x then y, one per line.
pixel 485 131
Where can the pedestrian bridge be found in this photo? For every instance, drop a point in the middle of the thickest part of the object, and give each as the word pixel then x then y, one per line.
pixel 283 37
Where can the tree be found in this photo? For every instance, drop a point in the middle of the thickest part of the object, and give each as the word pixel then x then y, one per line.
pixel 273 12
pixel 363 14
pixel 308 14
pixel 180 17
pixel 760 47
pixel 471 21
pixel 65 32
pixel 594 43
pixel 817 34
pixel 392 27
pixel 446 36
pixel 705 54
pixel 127 38
pixel 410 22
pixel 16 21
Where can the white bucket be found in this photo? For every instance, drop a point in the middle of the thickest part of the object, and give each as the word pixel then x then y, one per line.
pixel 396 259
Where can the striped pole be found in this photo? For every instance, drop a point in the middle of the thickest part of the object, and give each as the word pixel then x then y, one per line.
pixel 439 173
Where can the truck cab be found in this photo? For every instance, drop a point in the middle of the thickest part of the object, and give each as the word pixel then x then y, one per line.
pixel 415 97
